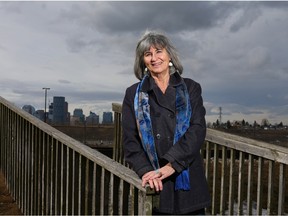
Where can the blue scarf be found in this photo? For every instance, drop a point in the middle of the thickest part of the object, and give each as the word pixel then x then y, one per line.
pixel 183 115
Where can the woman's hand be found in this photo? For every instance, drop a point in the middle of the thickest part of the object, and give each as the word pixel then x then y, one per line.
pixel 166 171
pixel 154 178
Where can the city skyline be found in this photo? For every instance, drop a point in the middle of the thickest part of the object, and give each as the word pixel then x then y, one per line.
pixel 101 116
pixel 85 51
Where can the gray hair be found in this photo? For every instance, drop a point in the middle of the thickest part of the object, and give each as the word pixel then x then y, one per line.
pixel 158 40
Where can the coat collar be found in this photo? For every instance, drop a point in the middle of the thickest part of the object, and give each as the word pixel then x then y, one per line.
pixel 149 84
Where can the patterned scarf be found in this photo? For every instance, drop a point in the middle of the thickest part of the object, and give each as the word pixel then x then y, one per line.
pixel 183 115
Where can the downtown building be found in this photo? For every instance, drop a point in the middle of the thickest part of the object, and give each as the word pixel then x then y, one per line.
pixel 58 111
pixel 92 119
pixel 107 118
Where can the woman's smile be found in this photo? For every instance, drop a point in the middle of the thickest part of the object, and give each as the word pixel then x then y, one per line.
pixel 157 60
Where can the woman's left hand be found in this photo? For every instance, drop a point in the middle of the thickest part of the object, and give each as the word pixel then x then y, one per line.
pixel 154 178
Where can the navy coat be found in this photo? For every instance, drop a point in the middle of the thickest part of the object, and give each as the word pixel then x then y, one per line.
pixel 185 153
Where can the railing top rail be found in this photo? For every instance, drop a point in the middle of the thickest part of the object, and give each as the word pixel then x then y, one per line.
pixel 116 107
pixel 258 148
pixel 112 166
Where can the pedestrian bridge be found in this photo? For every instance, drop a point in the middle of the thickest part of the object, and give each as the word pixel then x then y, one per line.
pixel 49 173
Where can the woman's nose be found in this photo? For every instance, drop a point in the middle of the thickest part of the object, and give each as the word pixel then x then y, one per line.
pixel 153 57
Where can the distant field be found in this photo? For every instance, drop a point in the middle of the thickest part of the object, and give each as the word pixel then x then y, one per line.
pixel 277 137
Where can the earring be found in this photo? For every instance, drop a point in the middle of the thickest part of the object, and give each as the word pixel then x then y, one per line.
pixel 170 64
pixel 146 69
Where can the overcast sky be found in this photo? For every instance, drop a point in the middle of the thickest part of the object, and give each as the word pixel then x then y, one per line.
pixel 85 51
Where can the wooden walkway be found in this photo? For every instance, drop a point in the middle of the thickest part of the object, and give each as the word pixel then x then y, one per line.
pixel 7 204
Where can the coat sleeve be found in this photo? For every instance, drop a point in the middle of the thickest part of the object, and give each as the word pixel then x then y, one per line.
pixel 185 151
pixel 134 153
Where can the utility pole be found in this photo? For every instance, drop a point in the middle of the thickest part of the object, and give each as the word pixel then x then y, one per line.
pixel 45 114
pixel 220 115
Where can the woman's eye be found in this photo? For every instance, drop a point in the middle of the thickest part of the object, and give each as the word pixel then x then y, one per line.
pixel 147 54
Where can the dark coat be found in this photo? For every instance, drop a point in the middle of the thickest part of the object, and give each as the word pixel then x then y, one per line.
pixel 185 153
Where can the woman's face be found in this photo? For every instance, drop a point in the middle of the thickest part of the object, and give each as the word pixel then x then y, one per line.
pixel 157 60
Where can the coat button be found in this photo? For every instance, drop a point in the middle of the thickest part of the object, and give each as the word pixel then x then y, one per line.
pixel 158 136
pixel 171 115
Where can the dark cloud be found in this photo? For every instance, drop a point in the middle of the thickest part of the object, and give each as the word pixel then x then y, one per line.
pixel 75 44
pixel 280 111
pixel 15 7
pixel 247 112
pixel 168 16
pixel 20 7
pixel 246 96
pixel 64 81
pixel 173 17
pixel 248 15
pixel 274 4
pixel 127 20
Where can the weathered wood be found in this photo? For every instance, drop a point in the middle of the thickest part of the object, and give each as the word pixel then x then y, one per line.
pixel 102 192
pixel 47 168
pixel 19 131
pixel 270 186
pixel 93 155
pixel 281 197
pixel 73 182
pixel 116 107
pixel 27 167
pixel 120 197
pixel 18 155
pixel 79 192
pixel 240 184
pixel 215 180
pixel 223 181
pixel 94 189
pixel 86 195
pixel 56 173
pixel 207 166
pixel 68 183
pixel 143 203
pixel 207 159
pixel 231 183
pixel 259 186
pixel 110 198
pixel 250 184
pixel 257 148
pixel 36 172
pixel 131 200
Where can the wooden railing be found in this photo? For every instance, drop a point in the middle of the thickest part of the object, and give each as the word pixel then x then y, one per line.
pixel 49 173
pixel 245 176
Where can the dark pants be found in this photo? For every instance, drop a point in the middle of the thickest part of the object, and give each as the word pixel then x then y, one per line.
pixel 197 212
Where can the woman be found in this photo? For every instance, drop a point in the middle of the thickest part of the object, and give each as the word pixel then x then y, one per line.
pixel 164 127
